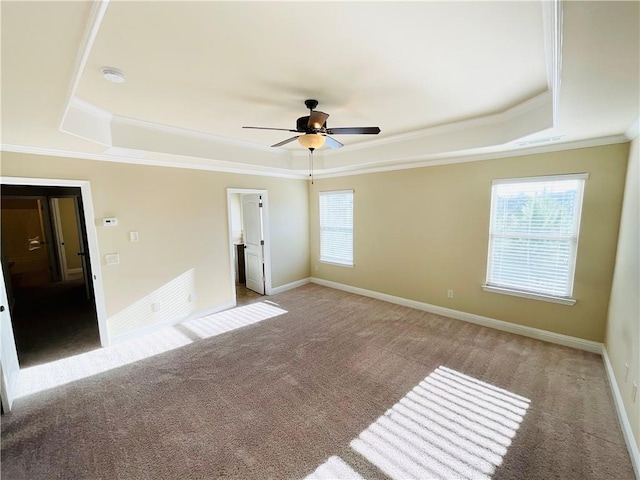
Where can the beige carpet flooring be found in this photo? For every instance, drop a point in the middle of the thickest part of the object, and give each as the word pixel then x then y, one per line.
pixel 318 383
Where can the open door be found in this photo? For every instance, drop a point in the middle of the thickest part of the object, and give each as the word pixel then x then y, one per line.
pixel 254 242
pixel 8 355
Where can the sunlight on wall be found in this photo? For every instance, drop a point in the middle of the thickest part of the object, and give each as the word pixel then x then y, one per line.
pixel 449 426
pixel 334 468
pixel 53 374
pixel 173 298
pixel 228 320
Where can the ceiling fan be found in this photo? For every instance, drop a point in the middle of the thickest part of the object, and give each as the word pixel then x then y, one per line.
pixel 314 131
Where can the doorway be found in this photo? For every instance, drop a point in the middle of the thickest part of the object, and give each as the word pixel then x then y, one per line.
pixel 249 241
pixel 48 279
pixel 9 364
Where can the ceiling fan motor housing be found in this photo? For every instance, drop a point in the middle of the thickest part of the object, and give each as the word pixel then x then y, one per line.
pixel 302 125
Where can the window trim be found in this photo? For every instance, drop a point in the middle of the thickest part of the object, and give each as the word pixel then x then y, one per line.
pixel 334 261
pixel 506 290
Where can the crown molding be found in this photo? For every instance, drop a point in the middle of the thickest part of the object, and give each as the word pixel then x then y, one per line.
pixel 136 158
pixel 212 165
pixel 96 15
pixel 471 156
pixel 634 129
pixel 552 18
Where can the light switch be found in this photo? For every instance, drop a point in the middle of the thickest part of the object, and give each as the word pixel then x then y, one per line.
pixel 112 258
pixel 133 236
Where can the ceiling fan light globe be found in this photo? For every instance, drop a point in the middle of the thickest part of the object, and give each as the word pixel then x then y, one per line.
pixel 311 140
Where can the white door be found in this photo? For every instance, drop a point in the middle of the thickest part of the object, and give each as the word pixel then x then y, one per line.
pixel 253 241
pixel 8 355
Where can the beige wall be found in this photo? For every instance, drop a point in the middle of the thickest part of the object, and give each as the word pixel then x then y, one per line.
pixel 181 217
pixel 420 232
pixel 623 329
pixel 67 209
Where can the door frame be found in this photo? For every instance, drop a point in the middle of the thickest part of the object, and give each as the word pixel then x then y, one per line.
pixel 265 232
pixel 92 240
pixel 65 271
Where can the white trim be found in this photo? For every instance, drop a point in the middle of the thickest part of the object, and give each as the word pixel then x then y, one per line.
pixel 213 165
pixel 530 295
pixel 94 22
pixel 154 327
pixel 552 17
pixel 290 286
pixel 473 155
pixel 92 240
pixel 91 109
pixel 266 232
pixel 538 334
pixel 634 130
pixel 329 192
pixel 627 432
pixel 338 264
pixel 405 163
pixel 543 178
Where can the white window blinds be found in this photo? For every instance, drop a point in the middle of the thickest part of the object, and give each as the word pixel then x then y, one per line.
pixel 534 234
pixel 336 227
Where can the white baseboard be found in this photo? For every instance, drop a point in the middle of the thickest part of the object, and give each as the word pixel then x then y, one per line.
pixel 289 286
pixel 627 432
pixel 154 327
pixel 557 338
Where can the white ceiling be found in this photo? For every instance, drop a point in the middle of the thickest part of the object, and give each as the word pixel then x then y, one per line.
pixel 441 79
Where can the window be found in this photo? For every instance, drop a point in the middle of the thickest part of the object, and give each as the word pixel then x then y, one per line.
pixel 533 237
pixel 336 227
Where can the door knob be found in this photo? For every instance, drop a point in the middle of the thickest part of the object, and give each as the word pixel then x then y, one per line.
pixel 1 308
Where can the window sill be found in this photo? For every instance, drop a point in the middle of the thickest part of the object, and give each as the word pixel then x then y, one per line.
pixel 348 265
pixel 533 296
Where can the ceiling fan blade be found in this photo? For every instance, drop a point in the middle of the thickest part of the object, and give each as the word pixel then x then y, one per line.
pixel 353 130
pixel 269 128
pixel 317 119
pixel 284 142
pixel 332 142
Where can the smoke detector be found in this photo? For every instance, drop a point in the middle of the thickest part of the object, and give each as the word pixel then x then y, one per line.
pixel 113 75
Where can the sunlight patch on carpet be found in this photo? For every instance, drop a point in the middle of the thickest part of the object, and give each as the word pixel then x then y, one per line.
pixel 334 468
pixel 54 374
pixel 228 320
pixel 450 425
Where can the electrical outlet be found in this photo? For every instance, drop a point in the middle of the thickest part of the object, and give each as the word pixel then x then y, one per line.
pixel 449 293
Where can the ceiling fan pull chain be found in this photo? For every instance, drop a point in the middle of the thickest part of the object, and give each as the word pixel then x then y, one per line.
pixel 311 165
